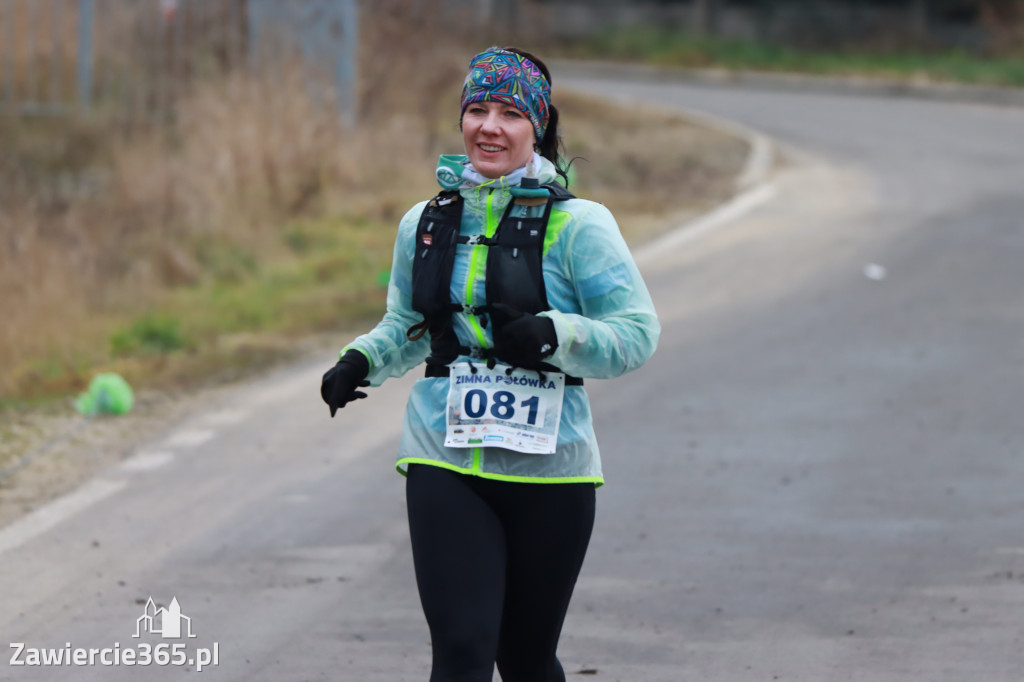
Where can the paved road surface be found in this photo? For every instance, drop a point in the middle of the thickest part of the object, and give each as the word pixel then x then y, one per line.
pixel 818 477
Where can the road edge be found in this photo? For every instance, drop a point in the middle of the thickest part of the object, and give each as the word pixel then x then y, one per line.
pixel 751 187
pixel 797 82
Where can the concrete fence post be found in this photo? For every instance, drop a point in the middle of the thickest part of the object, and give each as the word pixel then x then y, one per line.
pixel 348 58
pixel 85 53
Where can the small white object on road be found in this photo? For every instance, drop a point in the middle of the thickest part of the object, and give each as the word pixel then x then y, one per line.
pixel 874 272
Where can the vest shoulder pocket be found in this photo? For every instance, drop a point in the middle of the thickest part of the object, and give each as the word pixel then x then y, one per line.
pixel 433 260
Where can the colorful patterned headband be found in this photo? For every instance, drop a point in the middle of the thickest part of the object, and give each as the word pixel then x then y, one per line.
pixel 497 75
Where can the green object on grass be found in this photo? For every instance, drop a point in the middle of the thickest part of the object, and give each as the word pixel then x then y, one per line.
pixel 108 394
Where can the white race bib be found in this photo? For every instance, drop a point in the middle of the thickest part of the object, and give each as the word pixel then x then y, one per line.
pixel 517 410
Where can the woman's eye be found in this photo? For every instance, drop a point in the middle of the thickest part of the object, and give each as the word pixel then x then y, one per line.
pixel 514 113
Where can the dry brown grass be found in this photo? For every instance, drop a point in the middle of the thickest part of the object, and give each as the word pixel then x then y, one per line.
pixel 247 154
pixel 258 220
pixel 155 218
pixel 648 166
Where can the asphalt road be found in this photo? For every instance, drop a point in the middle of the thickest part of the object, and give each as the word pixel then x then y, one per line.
pixel 818 477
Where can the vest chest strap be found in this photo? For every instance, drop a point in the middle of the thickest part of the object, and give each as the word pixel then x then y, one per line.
pixel 476 240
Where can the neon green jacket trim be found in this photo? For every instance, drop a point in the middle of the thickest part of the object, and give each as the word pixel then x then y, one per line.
pixel 402 466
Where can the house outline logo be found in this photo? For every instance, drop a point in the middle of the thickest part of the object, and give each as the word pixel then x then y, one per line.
pixel 170 617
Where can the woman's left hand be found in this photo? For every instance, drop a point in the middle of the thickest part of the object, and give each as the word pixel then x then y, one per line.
pixel 522 339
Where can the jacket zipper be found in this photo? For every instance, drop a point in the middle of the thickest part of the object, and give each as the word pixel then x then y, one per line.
pixel 490 227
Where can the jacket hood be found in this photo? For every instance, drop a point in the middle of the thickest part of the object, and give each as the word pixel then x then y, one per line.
pixel 454 171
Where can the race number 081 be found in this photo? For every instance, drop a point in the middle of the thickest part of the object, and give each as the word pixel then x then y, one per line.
pixel 502 405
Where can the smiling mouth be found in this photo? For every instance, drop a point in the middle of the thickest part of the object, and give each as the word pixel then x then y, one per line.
pixel 491 148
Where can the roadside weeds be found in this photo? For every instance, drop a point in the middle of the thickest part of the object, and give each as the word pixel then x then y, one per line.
pixel 653 169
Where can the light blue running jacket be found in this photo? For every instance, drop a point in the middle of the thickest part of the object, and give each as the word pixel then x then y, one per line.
pixel 602 312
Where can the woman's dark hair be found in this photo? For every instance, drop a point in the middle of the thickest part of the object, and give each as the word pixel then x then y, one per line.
pixel 550 147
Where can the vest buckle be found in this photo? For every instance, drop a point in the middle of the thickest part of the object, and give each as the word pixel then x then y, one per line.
pixel 477 239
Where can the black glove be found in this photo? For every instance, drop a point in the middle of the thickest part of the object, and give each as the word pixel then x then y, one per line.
pixel 339 383
pixel 522 339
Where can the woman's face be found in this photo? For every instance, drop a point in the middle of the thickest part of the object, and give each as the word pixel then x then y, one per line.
pixel 499 138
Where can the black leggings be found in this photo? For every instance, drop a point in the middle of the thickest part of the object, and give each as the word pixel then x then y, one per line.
pixel 496 564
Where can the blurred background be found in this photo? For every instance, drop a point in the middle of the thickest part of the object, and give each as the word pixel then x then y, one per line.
pixel 192 188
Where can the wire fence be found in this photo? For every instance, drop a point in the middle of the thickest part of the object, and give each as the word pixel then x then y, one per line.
pixel 133 58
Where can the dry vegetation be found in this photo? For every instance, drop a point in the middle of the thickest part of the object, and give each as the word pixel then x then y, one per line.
pixel 650 167
pixel 1004 21
pixel 253 227
pixel 258 215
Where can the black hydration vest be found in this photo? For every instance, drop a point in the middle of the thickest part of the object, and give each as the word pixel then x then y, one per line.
pixel 513 275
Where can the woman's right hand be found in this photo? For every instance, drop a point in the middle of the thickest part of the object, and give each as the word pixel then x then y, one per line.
pixel 339 384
